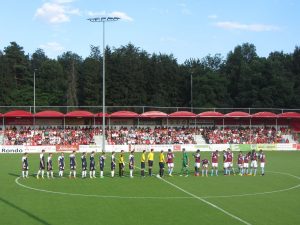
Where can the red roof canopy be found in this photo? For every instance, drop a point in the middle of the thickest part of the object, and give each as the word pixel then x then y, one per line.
pixel 183 114
pixel 18 113
pixel 289 115
pixel 210 114
pixel 100 114
pixel 237 114
pixel 49 113
pixel 124 114
pixel 80 113
pixel 154 114
pixel 264 115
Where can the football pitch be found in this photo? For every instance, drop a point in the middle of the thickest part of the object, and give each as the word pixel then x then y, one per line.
pixel 178 200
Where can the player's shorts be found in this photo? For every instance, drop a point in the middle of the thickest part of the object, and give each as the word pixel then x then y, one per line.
pixel 262 165
pixel 197 165
pixel 150 163
pixel 25 168
pixel 214 164
pixel 42 167
pixel 72 167
pixel 61 168
pixel 170 165
pixel 184 164
pixel 101 167
pixel 83 167
pixel 49 168
pixel 143 165
pixel 161 165
pixel 246 165
pixel 112 166
pixel 121 165
pixel 240 166
pixel 226 164
pixel 254 163
pixel 92 167
pixel 205 166
pixel 230 164
pixel 131 166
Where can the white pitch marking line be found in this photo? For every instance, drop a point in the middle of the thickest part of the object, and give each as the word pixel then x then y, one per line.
pixel 207 202
pixel 260 193
pixel 97 196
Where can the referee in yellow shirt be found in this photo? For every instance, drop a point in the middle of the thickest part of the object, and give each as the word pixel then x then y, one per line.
pixel 121 164
pixel 143 160
pixel 161 163
pixel 150 160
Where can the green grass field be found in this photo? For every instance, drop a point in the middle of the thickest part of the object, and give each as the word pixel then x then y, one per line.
pixel 270 199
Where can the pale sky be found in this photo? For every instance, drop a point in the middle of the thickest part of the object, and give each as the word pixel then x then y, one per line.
pixel 185 28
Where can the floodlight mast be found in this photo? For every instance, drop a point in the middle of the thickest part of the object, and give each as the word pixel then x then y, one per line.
pixel 103 20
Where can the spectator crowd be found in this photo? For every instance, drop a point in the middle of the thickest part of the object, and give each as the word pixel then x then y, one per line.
pixel 143 135
pixel 245 135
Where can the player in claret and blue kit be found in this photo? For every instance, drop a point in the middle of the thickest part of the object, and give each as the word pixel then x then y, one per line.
pixel 61 165
pixel 83 165
pixel 25 166
pixel 42 165
pixel 214 162
pixel 72 164
pixel 246 164
pixel 102 163
pixel 170 161
pixel 197 158
pixel 205 164
pixel 240 163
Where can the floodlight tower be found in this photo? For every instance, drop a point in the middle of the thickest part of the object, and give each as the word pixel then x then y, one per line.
pixel 103 20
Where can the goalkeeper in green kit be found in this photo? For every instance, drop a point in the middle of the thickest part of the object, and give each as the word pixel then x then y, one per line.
pixel 185 164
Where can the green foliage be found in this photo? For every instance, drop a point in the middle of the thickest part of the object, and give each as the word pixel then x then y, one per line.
pixel 135 77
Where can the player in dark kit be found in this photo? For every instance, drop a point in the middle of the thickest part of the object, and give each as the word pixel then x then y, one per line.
pixel 150 159
pixel 161 163
pixel 112 164
pixel 83 165
pixel 25 166
pixel 121 164
pixel 92 165
pixel 61 164
pixel 143 159
pixel 42 165
pixel 102 163
pixel 72 164
pixel 131 163
pixel 49 166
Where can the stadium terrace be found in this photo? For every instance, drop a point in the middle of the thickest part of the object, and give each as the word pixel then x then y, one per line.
pixel 81 127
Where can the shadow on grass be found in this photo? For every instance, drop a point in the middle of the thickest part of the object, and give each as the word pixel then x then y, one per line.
pixel 24 211
pixel 14 174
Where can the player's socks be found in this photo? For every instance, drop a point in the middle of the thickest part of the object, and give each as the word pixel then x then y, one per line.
pixel 206 172
pixel 150 171
pixel 254 172
pixel 74 173
pixel 250 171
pixel 212 172
pixel 262 171
pixel 216 172
pixel 26 174
pixel 90 174
pixel 202 173
pixel 171 170
pixel 101 173
pixel 112 173
pixel 52 174
pixel 23 174
pixel 43 173
pixel 94 173
pixel 143 173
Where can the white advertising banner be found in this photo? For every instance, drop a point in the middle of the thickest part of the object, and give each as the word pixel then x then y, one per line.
pixel 24 148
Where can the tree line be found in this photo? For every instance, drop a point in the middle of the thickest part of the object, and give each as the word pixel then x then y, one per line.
pixel 136 77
